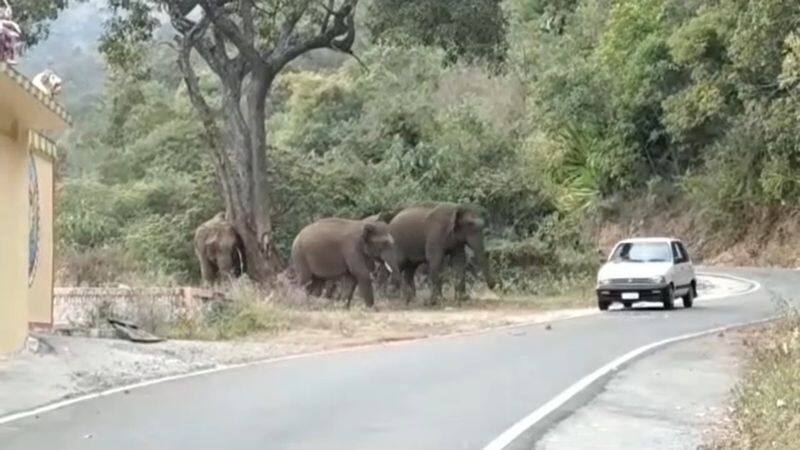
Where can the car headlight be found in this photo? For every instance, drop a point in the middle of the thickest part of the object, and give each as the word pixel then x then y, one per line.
pixel 603 281
pixel 658 280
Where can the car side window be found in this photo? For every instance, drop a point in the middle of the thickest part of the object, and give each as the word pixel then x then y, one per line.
pixel 683 252
pixel 677 254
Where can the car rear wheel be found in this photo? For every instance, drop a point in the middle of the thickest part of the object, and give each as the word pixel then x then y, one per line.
pixel 688 299
pixel 669 298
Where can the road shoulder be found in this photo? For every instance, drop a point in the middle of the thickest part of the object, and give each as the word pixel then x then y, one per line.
pixel 665 401
pixel 76 367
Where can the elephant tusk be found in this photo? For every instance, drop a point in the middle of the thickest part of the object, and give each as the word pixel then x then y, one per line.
pixel 388 267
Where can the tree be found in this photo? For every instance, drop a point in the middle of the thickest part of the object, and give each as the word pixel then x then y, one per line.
pixel 246 44
pixel 35 15
pixel 465 29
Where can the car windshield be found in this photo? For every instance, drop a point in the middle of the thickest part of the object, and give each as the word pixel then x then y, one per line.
pixel 642 252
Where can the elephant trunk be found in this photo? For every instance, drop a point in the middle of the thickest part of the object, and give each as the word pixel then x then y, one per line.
pixel 389 259
pixel 226 264
pixel 476 244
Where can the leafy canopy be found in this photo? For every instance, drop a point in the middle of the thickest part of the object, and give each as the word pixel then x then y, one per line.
pixel 465 29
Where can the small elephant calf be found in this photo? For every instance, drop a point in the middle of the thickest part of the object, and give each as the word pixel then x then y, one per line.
pixel 219 249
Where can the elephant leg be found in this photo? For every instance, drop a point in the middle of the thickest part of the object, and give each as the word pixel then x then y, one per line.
pixel 381 278
pixel 330 289
pixel 206 269
pixel 434 275
pixel 348 288
pixel 214 275
pixel 316 286
pixel 387 283
pixel 365 290
pixel 459 260
pixel 408 288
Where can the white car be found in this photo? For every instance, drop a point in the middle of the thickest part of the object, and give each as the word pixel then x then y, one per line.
pixel 647 270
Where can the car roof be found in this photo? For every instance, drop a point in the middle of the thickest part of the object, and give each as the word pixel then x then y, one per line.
pixel 649 239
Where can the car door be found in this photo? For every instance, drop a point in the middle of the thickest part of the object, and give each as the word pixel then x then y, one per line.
pixel 682 277
pixel 689 267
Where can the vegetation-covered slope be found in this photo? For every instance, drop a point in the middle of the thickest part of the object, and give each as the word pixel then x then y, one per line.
pixel 582 106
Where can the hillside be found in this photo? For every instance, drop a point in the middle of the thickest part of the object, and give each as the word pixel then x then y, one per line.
pixel 71 51
pixel 571 122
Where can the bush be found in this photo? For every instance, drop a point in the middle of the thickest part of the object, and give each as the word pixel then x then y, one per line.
pixel 247 312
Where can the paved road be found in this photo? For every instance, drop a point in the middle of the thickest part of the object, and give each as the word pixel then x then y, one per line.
pixel 456 393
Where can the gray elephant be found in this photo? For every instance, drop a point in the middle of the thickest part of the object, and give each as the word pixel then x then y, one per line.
pixel 219 249
pixel 381 275
pixel 430 232
pixel 333 248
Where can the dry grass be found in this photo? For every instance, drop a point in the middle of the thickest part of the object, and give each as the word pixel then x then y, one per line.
pixel 766 406
pixel 287 315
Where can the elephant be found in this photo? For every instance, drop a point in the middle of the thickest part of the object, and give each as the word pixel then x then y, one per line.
pixel 220 249
pixel 427 233
pixel 381 274
pixel 334 248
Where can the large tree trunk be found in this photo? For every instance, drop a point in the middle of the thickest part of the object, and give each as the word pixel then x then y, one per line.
pixel 249 212
pixel 238 146
pixel 248 203
pixel 236 132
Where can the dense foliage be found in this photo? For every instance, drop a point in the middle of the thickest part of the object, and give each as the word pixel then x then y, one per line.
pixel 135 186
pixel 469 30
pixel 596 101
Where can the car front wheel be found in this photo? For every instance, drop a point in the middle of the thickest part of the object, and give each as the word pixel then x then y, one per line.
pixel 669 297
pixel 688 299
pixel 603 305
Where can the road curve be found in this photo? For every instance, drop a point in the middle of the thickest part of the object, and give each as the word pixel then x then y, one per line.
pixel 456 393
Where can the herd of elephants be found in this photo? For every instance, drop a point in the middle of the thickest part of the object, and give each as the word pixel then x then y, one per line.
pixel 383 247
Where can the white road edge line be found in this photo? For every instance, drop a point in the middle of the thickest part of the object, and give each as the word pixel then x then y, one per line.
pixel 222 367
pixel 516 430
pixel 579 313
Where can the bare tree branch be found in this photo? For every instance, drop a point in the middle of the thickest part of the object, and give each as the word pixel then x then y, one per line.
pixel 248 25
pixel 288 27
pixel 224 24
pixel 328 14
pixel 193 35
pixel 289 48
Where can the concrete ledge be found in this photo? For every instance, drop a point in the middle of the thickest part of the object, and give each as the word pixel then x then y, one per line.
pixel 86 306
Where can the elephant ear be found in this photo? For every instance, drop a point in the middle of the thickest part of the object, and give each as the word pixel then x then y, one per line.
pixel 456 218
pixel 369 229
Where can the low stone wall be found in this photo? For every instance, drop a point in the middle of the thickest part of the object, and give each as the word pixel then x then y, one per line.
pixel 90 307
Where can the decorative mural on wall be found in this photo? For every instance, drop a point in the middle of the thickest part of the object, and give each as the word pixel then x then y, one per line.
pixel 33 219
